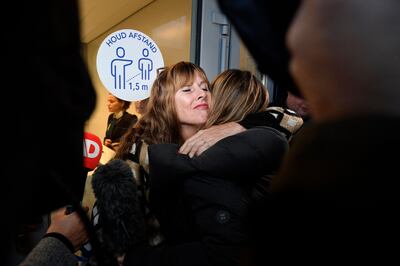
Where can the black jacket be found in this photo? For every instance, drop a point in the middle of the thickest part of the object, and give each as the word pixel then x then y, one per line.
pixel 202 202
pixel 116 128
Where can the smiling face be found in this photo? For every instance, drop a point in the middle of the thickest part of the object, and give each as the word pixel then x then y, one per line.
pixel 192 104
pixel 178 104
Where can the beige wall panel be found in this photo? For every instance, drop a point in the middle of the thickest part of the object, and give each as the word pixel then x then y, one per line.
pixel 97 16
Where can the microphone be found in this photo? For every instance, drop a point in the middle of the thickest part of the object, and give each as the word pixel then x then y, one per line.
pixel 117 215
pixel 92 150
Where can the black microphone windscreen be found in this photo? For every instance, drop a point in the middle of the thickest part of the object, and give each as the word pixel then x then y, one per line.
pixel 117 204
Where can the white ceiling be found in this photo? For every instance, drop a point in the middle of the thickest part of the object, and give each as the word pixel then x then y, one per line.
pixel 98 16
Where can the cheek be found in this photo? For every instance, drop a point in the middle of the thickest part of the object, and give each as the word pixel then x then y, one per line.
pixel 301 74
pixel 180 113
pixel 181 107
pixel 298 41
pixel 187 115
pixel 210 100
pixel 293 68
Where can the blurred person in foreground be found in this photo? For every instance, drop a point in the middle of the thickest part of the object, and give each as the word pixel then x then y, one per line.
pixel 337 190
pixel 64 236
pixel 43 169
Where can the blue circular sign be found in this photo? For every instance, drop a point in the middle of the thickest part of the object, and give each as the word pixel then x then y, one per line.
pixel 127 63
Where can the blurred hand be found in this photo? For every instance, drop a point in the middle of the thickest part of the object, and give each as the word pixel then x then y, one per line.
pixel 69 225
pixel 107 142
pixel 114 145
pixel 206 138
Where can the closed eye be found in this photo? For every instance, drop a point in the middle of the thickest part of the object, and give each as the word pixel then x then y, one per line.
pixel 186 89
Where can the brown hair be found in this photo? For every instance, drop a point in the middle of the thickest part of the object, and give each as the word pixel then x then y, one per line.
pixel 236 93
pixel 159 123
pixel 125 104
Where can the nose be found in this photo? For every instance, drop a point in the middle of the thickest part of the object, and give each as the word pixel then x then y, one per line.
pixel 201 94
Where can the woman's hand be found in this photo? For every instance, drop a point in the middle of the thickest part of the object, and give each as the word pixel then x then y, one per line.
pixel 107 142
pixel 206 138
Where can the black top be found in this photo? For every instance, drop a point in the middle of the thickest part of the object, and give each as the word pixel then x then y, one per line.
pixel 116 128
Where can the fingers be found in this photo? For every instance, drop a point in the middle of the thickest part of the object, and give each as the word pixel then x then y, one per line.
pixel 184 148
pixel 190 143
pixel 57 214
pixel 69 225
pixel 196 145
pixel 75 230
pixel 199 147
pixel 206 138
pixel 199 142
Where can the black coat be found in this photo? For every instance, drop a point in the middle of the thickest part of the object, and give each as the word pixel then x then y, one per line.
pixel 202 202
pixel 337 194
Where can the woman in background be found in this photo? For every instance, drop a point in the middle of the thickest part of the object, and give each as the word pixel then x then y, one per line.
pixel 118 122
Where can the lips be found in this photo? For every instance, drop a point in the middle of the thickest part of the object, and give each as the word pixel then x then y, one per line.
pixel 202 106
